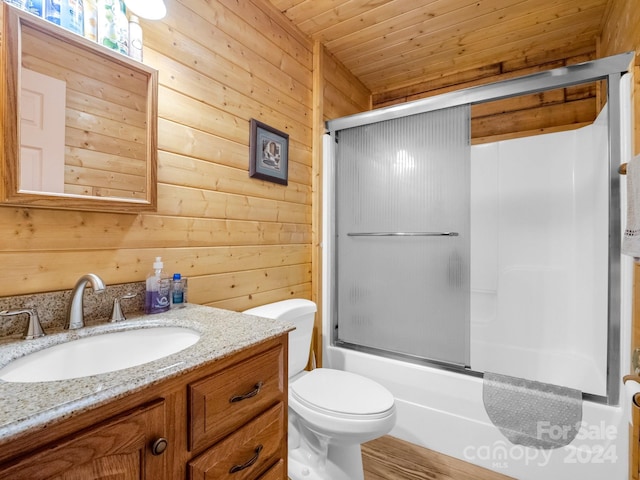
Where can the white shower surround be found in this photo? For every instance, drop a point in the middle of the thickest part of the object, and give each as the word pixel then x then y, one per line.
pixel 443 411
pixel 539 254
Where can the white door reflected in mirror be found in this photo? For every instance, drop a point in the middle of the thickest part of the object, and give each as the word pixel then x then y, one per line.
pixel 42 125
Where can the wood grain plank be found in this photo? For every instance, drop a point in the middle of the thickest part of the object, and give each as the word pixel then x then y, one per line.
pixel 104 180
pixel 192 172
pixel 391 458
pixel 211 204
pixel 252 39
pixel 75 58
pixel 181 38
pixel 205 89
pixel 80 138
pixel 407 56
pixel 462 60
pixel 275 28
pixel 95 123
pixel 251 300
pixel 213 288
pixel 42 270
pixel 33 229
pixel 104 161
pixel 339 79
pixel 475 29
pixel 568 113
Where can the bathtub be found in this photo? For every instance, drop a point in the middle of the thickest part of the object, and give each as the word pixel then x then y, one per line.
pixel 443 411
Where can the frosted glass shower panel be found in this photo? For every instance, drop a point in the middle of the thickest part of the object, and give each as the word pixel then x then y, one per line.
pixel 402 225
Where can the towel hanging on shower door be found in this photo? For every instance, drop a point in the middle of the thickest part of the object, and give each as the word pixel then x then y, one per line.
pixel 631 239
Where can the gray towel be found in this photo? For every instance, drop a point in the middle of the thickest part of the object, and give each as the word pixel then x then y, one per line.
pixel 631 238
pixel 533 414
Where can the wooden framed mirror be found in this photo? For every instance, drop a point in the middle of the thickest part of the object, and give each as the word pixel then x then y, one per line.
pixel 79 121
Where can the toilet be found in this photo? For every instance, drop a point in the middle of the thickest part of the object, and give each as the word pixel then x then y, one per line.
pixel 331 412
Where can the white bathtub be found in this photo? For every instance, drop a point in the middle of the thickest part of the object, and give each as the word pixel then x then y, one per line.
pixel 443 411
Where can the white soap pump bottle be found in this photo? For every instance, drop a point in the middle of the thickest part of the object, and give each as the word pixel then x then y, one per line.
pixel 158 287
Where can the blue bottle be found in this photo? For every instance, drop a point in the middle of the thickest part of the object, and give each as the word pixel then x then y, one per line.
pixel 177 290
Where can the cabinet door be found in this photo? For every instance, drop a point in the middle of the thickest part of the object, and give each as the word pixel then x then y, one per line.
pixel 119 448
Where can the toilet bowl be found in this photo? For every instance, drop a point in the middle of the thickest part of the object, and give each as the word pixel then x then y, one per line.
pixel 331 412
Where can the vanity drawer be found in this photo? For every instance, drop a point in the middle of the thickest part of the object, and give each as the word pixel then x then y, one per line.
pixel 276 472
pixel 222 402
pixel 246 453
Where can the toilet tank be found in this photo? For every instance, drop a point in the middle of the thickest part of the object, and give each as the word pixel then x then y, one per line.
pixel 300 313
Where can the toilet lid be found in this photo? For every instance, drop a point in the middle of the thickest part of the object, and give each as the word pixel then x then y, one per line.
pixel 342 392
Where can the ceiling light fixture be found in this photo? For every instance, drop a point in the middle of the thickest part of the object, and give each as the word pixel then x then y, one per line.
pixel 150 9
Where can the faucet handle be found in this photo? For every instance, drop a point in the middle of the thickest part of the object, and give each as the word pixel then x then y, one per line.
pixel 116 313
pixel 34 328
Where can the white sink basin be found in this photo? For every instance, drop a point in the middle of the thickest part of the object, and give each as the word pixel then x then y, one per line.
pixel 97 354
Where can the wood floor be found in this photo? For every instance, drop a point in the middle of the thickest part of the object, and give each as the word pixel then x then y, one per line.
pixel 389 458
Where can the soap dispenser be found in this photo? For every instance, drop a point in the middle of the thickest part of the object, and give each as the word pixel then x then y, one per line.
pixel 157 299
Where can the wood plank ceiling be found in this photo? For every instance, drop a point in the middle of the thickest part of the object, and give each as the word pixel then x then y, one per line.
pixel 392 44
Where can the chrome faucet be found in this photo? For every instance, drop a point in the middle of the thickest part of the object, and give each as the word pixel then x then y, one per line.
pixel 116 313
pixel 33 329
pixel 75 313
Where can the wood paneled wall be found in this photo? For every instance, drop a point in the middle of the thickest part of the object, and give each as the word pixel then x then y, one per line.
pixel 343 93
pixel 242 242
pixel 545 112
pixel 621 33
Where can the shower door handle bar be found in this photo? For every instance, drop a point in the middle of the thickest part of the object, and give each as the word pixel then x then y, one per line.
pixel 403 234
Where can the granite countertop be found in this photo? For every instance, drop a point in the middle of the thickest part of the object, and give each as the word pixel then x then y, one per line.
pixel 28 406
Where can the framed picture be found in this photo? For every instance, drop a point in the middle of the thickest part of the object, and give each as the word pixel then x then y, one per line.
pixel 269 153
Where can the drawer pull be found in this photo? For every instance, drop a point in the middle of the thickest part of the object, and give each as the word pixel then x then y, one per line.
pixel 248 463
pixel 159 446
pixel 252 393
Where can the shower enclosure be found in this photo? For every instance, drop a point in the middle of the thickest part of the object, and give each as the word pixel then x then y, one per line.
pixel 501 257
pixel 443 261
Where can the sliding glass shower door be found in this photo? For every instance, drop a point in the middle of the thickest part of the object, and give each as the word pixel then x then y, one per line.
pixel 402 228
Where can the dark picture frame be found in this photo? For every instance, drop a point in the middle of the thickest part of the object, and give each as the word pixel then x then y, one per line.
pixel 269 153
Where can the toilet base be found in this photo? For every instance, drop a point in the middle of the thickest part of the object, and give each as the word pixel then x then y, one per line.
pixel 343 463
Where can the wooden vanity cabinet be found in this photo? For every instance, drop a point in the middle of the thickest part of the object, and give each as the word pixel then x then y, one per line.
pixel 211 423
pixel 239 415
pixel 117 448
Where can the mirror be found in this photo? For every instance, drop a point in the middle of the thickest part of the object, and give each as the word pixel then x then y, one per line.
pixel 79 121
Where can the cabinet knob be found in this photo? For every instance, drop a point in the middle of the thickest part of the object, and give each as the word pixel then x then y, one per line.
pixel 159 446
pixel 248 463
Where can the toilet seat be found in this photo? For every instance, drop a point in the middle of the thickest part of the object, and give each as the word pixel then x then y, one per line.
pixel 342 394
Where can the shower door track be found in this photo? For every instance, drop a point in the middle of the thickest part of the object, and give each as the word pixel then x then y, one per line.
pixel 609 69
pixel 427 362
